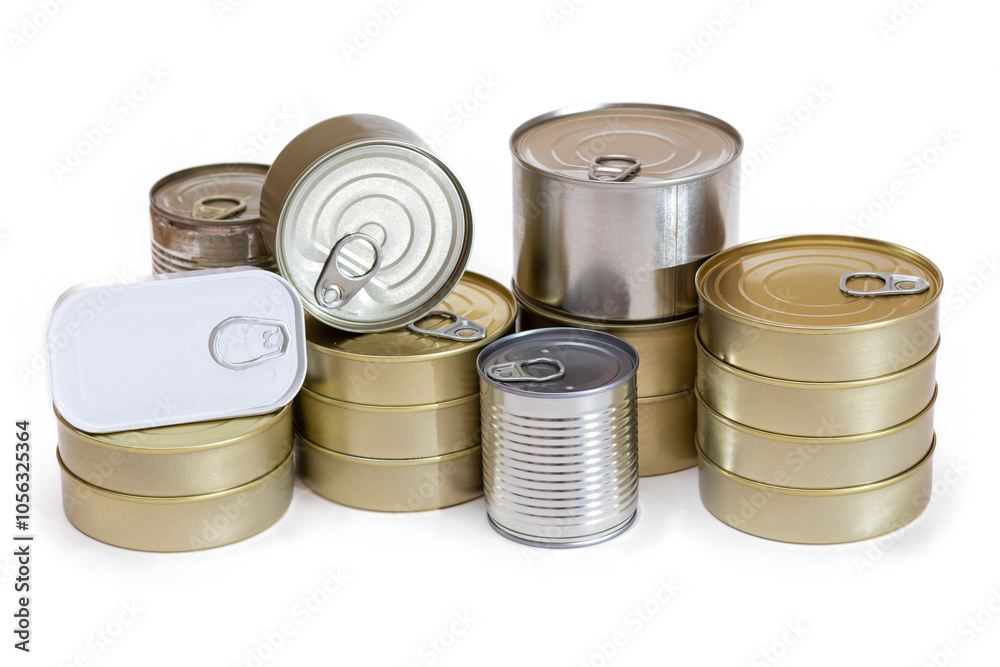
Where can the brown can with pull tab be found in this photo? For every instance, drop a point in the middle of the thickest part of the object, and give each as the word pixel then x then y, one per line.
pixel 208 218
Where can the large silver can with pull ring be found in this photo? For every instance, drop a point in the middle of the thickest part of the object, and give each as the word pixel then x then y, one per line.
pixel 617 205
pixel 371 228
pixel 559 436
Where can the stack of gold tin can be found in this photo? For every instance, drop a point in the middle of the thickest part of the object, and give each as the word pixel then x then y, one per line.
pixel 615 208
pixel 816 386
pixel 208 218
pixel 178 488
pixel 390 420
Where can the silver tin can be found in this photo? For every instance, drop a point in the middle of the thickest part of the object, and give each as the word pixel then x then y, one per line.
pixel 616 206
pixel 208 218
pixel 368 225
pixel 560 440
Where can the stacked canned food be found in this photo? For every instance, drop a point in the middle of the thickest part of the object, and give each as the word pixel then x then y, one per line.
pixel 208 218
pixel 390 420
pixel 374 233
pixel 816 386
pixel 615 208
pixel 172 400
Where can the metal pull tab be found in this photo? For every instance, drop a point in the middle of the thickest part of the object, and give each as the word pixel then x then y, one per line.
pixel 202 211
pixel 895 283
pixel 259 340
pixel 461 328
pixel 613 174
pixel 334 287
pixel 514 371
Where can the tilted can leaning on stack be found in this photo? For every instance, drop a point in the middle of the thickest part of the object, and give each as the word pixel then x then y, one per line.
pixel 816 386
pixel 374 233
pixel 615 208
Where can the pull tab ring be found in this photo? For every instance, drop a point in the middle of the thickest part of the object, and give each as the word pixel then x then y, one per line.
pixel 613 174
pixel 334 287
pixel 514 371
pixel 276 340
pixel 461 328
pixel 202 211
pixel 894 284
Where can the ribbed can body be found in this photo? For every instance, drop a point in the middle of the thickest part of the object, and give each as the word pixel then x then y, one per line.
pixel 560 471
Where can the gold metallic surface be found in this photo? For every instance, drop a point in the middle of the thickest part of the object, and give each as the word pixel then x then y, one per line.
pixel 814 463
pixel 400 367
pixel 775 308
pixel 815 516
pixel 186 523
pixel 409 485
pixel 410 432
pixel 666 433
pixel 666 351
pixel 815 409
pixel 180 460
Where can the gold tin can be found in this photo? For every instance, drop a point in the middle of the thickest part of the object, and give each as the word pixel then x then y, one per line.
pixel 402 367
pixel 666 351
pixel 185 523
pixel 815 409
pixel 666 433
pixel 181 460
pixel 407 485
pixel 813 463
pixel 208 217
pixel 816 516
pixel 398 432
pixel 819 308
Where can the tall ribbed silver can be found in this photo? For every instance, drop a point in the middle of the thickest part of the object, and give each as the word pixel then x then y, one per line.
pixel 560 441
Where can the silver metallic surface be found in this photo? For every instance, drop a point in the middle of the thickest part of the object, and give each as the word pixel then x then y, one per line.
pixel 460 328
pixel 516 371
pixel 622 250
pixel 334 287
pixel 370 175
pixel 560 458
pixel 274 341
pixel 895 283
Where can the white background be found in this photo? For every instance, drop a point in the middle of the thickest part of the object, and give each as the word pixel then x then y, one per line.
pixel 228 75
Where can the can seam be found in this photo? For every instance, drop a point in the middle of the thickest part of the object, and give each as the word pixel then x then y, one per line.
pixel 360 407
pixel 838 440
pixel 441 458
pixel 800 384
pixel 179 500
pixel 840 491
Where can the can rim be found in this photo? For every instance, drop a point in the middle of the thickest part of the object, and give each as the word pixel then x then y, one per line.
pixel 382 409
pixel 836 492
pixel 276 417
pixel 416 358
pixel 663 398
pixel 800 384
pixel 194 171
pixel 834 441
pixel 606 326
pixel 622 345
pixel 388 463
pixel 702 275
pixel 430 303
pixel 178 500
pixel 580 109
pixel 568 543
